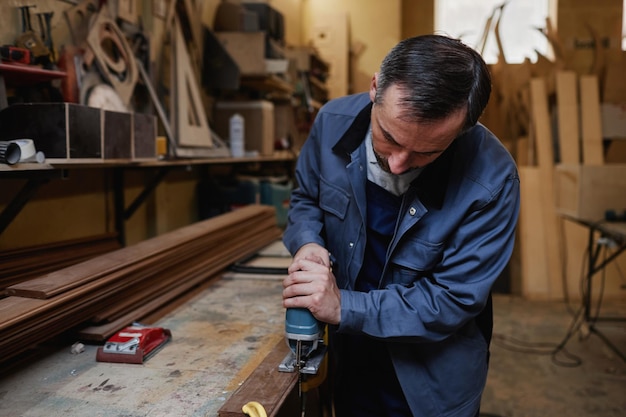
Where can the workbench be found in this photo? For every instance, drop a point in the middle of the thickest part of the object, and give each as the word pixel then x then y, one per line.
pixel 602 235
pixel 218 339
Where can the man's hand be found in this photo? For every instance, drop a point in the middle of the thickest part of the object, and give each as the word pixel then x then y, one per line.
pixel 313 252
pixel 312 285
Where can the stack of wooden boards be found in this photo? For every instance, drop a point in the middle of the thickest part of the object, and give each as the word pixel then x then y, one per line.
pixel 126 285
pixel 26 263
pixel 563 161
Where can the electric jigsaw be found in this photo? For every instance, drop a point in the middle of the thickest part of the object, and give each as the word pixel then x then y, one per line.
pixel 305 337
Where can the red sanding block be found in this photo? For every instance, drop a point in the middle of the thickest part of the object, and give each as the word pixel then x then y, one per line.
pixel 133 344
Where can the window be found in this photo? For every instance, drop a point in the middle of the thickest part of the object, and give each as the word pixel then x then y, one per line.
pixel 519 23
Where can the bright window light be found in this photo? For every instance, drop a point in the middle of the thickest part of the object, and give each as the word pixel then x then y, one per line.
pixel 519 26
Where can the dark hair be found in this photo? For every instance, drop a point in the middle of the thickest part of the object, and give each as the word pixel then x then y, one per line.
pixel 439 75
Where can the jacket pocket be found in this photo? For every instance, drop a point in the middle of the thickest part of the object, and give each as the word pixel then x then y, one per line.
pixel 333 199
pixel 414 259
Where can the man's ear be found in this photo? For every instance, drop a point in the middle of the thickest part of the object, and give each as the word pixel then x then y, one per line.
pixel 373 86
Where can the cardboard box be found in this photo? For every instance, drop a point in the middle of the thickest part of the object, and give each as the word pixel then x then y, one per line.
pixel 285 128
pixel 613 120
pixel 583 26
pixel 616 152
pixel 587 191
pixel 247 49
pixel 259 128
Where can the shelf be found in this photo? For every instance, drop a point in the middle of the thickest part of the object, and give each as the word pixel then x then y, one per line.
pixel 39 174
pixel 16 74
pixel 267 82
pixel 51 165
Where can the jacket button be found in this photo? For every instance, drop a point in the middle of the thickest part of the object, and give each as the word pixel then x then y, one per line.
pixel 351 244
pixel 412 211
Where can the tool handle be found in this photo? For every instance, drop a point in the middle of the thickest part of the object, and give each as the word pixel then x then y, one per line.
pixel 300 324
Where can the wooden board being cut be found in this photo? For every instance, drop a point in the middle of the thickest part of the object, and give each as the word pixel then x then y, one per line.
pixel 270 395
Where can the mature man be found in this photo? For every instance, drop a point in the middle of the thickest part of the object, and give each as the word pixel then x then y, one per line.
pixel 403 218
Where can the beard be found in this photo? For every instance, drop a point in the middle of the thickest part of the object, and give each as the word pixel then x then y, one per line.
pixel 382 161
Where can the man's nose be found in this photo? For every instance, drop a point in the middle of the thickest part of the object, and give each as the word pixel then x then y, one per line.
pixel 399 162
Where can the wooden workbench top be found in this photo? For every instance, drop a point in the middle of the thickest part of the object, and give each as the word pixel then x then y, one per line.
pixel 218 339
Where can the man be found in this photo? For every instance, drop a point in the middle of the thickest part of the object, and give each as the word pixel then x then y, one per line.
pixel 403 218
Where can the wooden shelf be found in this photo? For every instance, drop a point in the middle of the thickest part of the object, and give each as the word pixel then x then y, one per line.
pixel 52 164
pixel 267 82
pixel 16 74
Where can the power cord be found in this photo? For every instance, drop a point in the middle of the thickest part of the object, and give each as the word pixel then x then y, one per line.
pixel 556 350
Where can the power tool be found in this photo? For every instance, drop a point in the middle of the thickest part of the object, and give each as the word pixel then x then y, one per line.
pixel 10 53
pixel 305 337
pixel 133 344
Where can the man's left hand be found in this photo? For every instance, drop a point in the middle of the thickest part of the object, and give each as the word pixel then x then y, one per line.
pixel 312 285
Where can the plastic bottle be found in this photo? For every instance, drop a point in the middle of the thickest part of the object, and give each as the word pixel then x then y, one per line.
pixel 237 130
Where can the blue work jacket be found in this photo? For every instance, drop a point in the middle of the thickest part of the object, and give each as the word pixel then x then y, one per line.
pixel 453 237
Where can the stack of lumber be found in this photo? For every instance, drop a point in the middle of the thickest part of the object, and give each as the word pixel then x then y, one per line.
pixel 26 263
pixel 128 284
pixel 550 113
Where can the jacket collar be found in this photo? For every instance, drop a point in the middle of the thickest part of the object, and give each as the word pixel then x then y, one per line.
pixel 433 181
pixel 355 134
pixel 431 184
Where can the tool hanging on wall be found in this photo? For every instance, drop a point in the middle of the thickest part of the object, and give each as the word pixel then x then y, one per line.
pixel 31 40
pixel 10 53
pixel 45 29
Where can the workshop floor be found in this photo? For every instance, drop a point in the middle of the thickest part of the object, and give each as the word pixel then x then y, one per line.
pixel 585 379
pixel 525 380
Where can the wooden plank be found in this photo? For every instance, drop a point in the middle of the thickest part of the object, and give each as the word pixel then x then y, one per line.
pixel 569 131
pixel 26 263
pixel 591 121
pixel 258 388
pixel 549 221
pixel 534 264
pixel 65 279
pixel 174 279
pixel 100 333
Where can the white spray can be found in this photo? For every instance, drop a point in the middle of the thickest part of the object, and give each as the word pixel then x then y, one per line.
pixel 236 133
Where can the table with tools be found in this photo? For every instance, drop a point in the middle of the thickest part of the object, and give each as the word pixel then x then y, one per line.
pixel 603 235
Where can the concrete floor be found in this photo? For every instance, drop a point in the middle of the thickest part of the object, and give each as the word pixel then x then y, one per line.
pixel 525 380
pixel 586 379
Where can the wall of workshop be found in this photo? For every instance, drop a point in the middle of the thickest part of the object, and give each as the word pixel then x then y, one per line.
pixel 82 204
pixel 374 27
